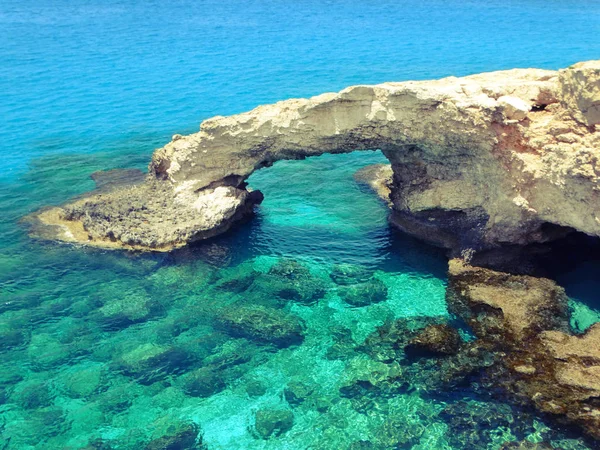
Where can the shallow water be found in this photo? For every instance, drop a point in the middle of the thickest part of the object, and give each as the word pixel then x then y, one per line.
pixel 118 350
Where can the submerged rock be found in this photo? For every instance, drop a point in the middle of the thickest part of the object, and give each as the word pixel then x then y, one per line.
pixel 230 354
pixel 397 432
pixel 178 437
pixel 3 395
pixel 431 354
pixel 435 340
pixel 345 274
pixel 256 388
pixel 32 395
pixel 46 352
pixel 362 445
pixel 365 379
pixel 296 392
pixel 364 294
pixel 291 280
pixel 273 422
pixel 118 398
pixel 107 180
pixel 150 363
pixel 388 342
pixel 203 382
pixel 237 282
pixel 287 280
pixel 85 380
pixel 126 308
pixel 11 338
pixel 474 424
pixel 526 445
pixel 262 324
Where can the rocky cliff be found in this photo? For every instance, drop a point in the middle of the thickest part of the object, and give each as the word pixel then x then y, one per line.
pixel 480 161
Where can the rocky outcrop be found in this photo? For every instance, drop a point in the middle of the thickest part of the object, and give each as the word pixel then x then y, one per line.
pixel 524 321
pixel 378 177
pixel 151 215
pixel 478 162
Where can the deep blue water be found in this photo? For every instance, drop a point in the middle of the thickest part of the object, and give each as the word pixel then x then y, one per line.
pixel 102 349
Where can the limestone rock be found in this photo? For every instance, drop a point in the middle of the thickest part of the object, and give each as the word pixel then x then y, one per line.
pixel 499 306
pixel 514 108
pixel 538 362
pixel 580 92
pixel 149 216
pixel 478 162
pixel 379 177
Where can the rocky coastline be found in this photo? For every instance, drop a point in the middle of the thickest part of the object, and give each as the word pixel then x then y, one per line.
pixel 523 322
pixel 490 167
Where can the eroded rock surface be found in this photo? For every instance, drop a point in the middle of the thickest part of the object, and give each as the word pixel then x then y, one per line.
pixel 524 322
pixel 150 215
pixel 477 162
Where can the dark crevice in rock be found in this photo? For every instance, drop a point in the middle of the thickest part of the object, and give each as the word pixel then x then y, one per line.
pixel 231 180
pixel 559 249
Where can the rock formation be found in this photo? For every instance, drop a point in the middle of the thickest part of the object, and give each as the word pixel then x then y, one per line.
pixel 524 321
pixel 478 163
pixel 506 157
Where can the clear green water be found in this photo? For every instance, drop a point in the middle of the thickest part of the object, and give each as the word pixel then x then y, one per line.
pixel 115 350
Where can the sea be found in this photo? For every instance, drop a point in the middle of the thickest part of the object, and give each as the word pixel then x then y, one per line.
pixel 267 337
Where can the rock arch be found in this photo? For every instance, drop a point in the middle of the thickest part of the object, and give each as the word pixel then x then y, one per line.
pixel 478 162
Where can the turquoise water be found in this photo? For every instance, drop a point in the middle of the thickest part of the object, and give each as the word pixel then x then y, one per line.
pixel 263 338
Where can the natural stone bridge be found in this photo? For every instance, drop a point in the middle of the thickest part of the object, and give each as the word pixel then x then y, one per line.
pixel 481 161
